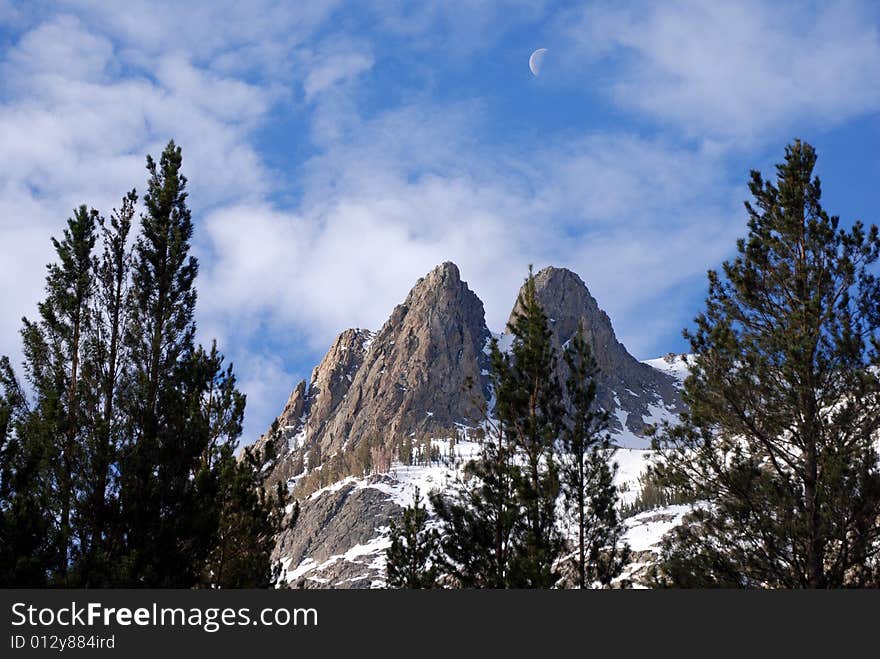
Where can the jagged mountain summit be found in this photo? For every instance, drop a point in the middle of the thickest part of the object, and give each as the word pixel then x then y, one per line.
pixel 410 377
pixel 632 391
pixel 412 385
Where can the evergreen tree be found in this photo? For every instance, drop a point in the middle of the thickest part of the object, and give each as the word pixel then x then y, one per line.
pixel 606 552
pixel 54 348
pixel 25 552
pixel 500 526
pixel 588 475
pixel 480 517
pixel 364 456
pixel 122 470
pixel 405 451
pixel 410 560
pixel 11 400
pixel 529 401
pixel 105 359
pixel 249 518
pixel 783 394
pixel 162 386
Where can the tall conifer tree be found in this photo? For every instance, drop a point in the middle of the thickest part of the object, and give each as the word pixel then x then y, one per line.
pixel 54 348
pixel 25 551
pixel 588 473
pixel 106 356
pixel 529 403
pixel 784 402
pixel 122 472
pixel 479 519
pixel 500 527
pixel 411 558
pixel 157 488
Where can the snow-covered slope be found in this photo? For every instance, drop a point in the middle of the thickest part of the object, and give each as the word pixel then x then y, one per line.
pixel 396 488
pixel 363 563
pixel 673 365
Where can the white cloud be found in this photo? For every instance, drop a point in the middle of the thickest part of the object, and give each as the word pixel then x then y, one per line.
pixel 408 192
pixel 225 35
pixel 332 69
pixel 89 91
pixel 86 97
pixel 61 47
pixel 735 70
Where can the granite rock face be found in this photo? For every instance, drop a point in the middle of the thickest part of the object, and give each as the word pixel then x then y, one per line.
pixel 410 377
pixel 414 376
pixel 334 535
pixel 307 411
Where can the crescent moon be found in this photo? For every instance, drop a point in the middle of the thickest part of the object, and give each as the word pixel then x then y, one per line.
pixel 536 60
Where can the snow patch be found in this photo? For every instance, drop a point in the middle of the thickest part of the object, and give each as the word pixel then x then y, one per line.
pixel 675 366
pixel 646 530
pixel 297 440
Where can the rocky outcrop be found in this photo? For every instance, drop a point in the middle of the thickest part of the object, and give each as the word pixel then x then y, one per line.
pixel 332 378
pixel 414 376
pixel 422 372
pixel 632 392
pixel 343 524
pixel 307 411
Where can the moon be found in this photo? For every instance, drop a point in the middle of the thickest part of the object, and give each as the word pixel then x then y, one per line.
pixel 536 60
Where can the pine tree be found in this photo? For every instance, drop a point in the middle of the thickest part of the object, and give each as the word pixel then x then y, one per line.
pixel 529 402
pixel 480 517
pixel 588 475
pixel 606 553
pixel 185 501
pixel 364 456
pixel 106 356
pixel 54 348
pixel 500 525
pixel 11 400
pixel 25 552
pixel 410 560
pixel 405 451
pixel 156 488
pixel 783 394
pixel 250 519
pixel 122 472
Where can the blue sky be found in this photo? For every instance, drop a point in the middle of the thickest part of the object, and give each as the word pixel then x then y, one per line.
pixel 338 151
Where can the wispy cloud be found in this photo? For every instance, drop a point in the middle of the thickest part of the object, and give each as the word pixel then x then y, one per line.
pixel 738 70
pixel 393 175
pixel 379 211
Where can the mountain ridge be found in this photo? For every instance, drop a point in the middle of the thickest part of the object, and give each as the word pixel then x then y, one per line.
pixel 414 390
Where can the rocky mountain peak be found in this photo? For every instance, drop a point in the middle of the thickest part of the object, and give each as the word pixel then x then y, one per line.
pixel 633 392
pixel 410 380
pixel 413 376
pixel 445 276
pixel 568 303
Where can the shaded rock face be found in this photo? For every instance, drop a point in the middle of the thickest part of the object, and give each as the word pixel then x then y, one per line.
pixel 330 526
pixel 307 411
pixel 633 392
pixel 332 378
